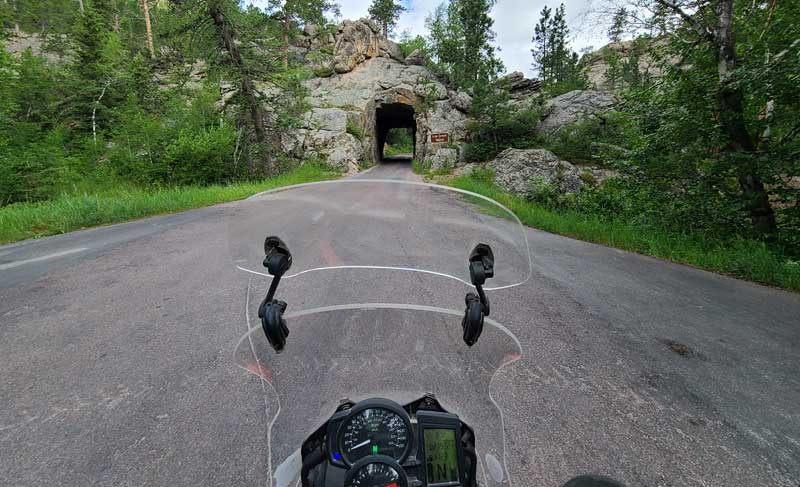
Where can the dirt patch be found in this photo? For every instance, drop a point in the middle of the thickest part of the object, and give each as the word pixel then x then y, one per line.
pixel 683 350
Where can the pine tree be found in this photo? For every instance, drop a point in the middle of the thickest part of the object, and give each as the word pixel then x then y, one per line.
pixel 293 12
pixel 541 45
pixel 618 24
pixel 558 66
pixel 386 12
pixel 480 62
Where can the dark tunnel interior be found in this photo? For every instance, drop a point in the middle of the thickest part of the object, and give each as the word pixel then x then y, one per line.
pixel 393 116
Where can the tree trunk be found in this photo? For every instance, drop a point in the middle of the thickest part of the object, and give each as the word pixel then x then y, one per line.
pixel 116 16
pixel 247 84
pixel 385 30
pixel 80 2
pixel 732 121
pixel 149 29
pixel 287 25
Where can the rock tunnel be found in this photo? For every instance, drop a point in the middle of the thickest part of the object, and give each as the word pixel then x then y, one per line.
pixel 390 116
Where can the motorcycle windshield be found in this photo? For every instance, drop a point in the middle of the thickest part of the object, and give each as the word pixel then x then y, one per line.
pixel 395 225
pixel 363 351
pixel 375 299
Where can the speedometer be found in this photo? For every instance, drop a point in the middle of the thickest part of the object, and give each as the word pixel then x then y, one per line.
pixel 376 471
pixel 375 428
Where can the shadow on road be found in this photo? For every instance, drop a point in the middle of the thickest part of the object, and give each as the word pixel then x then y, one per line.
pixel 398 159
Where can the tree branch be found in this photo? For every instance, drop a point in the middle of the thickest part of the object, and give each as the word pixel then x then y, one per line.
pixel 701 30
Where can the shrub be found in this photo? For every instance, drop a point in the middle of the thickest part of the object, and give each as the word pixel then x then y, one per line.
pixel 324 72
pixel 600 140
pixel 418 167
pixel 489 138
pixel 202 158
pixel 355 130
pixel 39 169
pixel 588 178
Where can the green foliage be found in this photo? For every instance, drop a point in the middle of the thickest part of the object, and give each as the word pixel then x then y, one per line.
pixel 741 258
pixel 558 66
pixel 605 140
pixel 386 12
pixel 461 42
pixel 618 25
pixel 409 43
pixel 421 168
pixel 355 130
pixel 38 169
pixel 122 202
pixel 201 158
pixel 499 124
pixel 400 141
pixel 324 72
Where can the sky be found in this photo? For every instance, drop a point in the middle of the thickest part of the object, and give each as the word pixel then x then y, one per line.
pixel 513 24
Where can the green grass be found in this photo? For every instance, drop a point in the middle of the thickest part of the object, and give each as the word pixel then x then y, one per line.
pixel 420 168
pixel 745 259
pixel 390 150
pixel 75 211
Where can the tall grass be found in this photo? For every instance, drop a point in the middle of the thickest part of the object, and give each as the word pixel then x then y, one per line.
pixel 81 210
pixel 745 259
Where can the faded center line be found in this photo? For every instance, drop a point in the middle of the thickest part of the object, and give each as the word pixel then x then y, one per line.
pixel 18 263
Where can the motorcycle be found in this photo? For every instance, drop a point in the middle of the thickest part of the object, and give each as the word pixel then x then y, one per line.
pixel 366 379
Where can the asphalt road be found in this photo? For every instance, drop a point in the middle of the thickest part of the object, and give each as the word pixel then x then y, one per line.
pixel 116 364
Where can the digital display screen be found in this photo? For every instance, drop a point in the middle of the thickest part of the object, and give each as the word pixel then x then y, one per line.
pixel 441 459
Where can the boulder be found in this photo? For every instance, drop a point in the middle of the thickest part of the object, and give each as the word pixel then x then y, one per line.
pixel 391 50
pixel 415 58
pixel 573 107
pixel 339 149
pixel 521 87
pixel 431 90
pixel 355 43
pixel 519 170
pixel 444 158
pixel 460 101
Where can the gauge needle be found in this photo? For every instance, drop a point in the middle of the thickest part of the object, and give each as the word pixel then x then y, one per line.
pixel 363 443
pixel 392 485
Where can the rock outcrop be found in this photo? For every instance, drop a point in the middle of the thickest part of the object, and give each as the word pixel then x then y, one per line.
pixel 574 106
pixel 520 86
pixel 355 43
pixel 519 170
pixel 369 88
pixel 597 62
pixel 416 58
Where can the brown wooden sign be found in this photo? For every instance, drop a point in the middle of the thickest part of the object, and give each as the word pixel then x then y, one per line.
pixel 440 137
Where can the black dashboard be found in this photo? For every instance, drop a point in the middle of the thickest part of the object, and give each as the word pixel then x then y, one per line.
pixel 379 443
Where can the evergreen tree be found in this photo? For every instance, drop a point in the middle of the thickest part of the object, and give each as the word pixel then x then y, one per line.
pixel 613 75
pixel 632 76
pixel 541 45
pixel 294 12
pixel 461 42
pixel 558 66
pixel 618 24
pixel 480 62
pixel 386 12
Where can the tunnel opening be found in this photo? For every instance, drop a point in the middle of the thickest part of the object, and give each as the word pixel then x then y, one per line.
pixel 391 121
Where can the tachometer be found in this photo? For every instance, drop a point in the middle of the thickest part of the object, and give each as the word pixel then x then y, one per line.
pixel 377 471
pixel 375 428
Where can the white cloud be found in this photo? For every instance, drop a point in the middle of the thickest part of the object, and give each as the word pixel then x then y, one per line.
pixel 513 22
